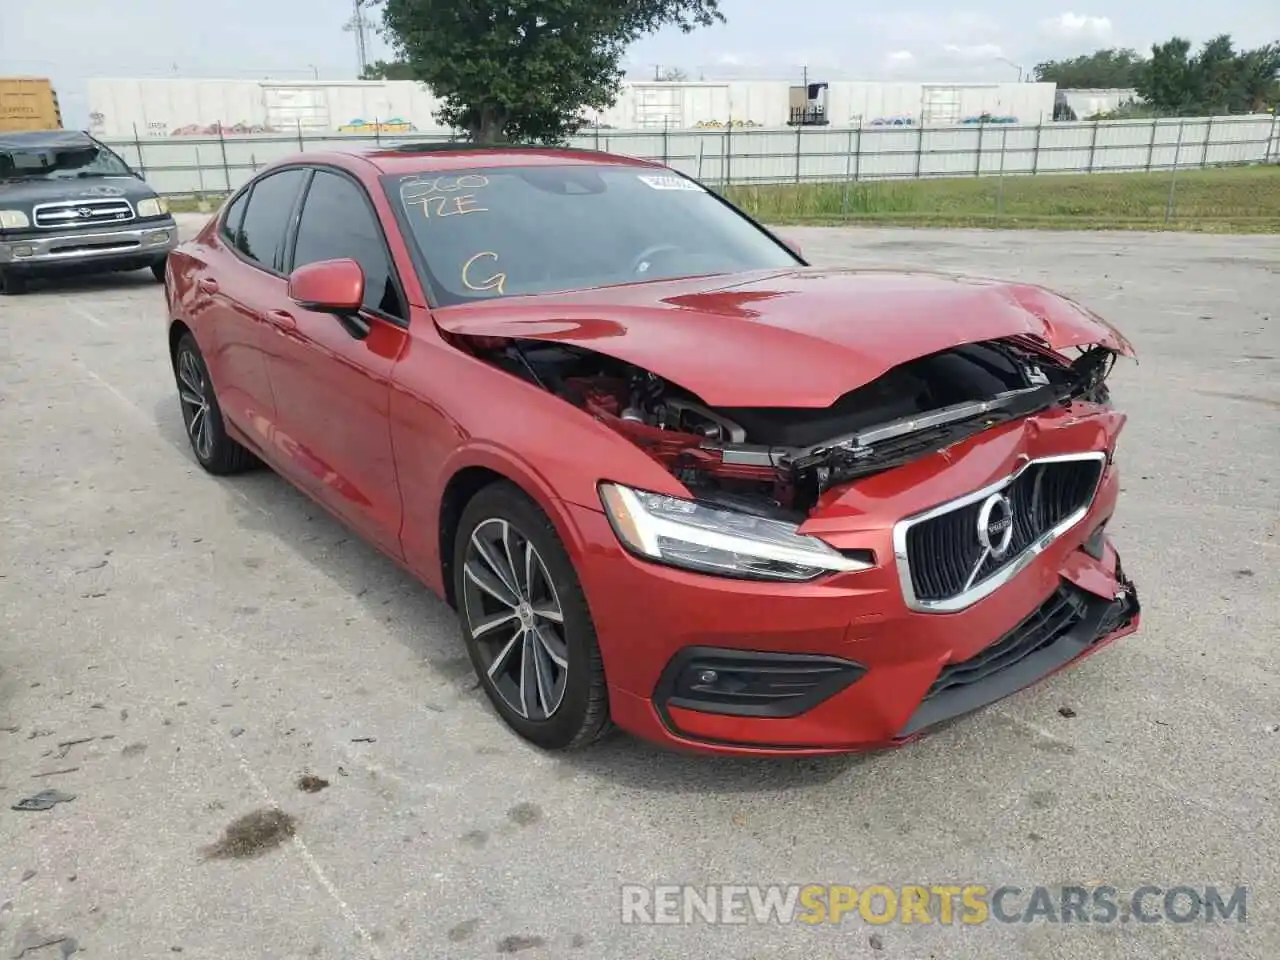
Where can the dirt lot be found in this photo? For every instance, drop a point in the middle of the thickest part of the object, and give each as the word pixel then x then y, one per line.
pixel 177 652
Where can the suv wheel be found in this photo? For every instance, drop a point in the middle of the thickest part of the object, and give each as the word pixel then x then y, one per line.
pixel 12 284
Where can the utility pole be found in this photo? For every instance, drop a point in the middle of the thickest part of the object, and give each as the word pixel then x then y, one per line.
pixel 357 25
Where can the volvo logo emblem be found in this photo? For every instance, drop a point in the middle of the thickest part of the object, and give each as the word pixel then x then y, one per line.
pixel 995 526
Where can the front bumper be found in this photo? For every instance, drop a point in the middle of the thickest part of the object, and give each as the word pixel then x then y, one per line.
pixel 99 248
pixel 844 664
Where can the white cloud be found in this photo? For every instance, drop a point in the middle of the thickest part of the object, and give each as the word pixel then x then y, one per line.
pixel 899 60
pixel 729 59
pixel 976 51
pixel 1075 26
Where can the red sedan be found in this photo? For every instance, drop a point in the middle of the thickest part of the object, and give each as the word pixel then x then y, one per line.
pixel 671 477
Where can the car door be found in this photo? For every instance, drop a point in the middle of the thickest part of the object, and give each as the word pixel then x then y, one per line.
pixel 238 287
pixel 331 377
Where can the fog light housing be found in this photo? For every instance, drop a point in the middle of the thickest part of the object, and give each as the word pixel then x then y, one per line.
pixel 24 251
pixel 747 683
pixel 158 236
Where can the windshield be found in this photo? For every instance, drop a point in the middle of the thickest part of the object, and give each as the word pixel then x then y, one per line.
pixel 506 231
pixel 57 163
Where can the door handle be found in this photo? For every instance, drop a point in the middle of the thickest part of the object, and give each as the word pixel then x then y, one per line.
pixel 207 285
pixel 281 319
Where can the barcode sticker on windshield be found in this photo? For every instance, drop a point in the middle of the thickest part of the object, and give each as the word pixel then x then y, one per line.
pixel 671 183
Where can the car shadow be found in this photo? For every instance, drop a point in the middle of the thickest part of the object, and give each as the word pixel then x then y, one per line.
pixel 427 627
pixel 90 283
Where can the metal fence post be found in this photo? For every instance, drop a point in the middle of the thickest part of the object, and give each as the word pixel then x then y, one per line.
pixel 857 154
pixel 1151 145
pixel 137 145
pixel 1004 133
pixel 226 168
pixel 301 148
pixel 920 148
pixel 1093 144
pixel 728 153
pixel 1208 142
pixel 665 153
pixel 799 128
pixel 597 133
pixel 199 170
pixel 701 145
pixel 1035 153
pixel 1173 180
pixel 982 130
pixel 848 169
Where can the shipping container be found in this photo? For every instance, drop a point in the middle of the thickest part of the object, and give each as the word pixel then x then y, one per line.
pixel 28 103
pixel 147 109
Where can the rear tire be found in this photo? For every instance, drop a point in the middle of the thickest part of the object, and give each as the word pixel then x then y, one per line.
pixel 12 284
pixel 206 431
pixel 526 623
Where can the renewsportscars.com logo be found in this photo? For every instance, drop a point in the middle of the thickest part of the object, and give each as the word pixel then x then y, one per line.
pixel 957 904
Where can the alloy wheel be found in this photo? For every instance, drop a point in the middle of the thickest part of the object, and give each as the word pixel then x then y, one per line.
pixel 515 619
pixel 193 391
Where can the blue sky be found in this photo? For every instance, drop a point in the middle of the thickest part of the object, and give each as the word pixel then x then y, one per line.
pixel 72 40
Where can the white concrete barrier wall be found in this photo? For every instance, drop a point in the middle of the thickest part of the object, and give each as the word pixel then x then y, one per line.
pixel 184 166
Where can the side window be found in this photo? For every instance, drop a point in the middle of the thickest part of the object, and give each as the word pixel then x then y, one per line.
pixel 266 220
pixel 337 223
pixel 231 222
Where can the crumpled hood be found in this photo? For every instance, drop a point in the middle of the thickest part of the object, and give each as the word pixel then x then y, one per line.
pixel 794 338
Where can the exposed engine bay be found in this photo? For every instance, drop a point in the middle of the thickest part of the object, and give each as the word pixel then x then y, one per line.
pixel 778 461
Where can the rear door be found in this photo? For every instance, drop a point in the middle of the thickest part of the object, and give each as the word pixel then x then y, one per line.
pixel 238 288
pixel 330 377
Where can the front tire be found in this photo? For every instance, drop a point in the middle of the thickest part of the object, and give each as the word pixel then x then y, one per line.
pixel 12 284
pixel 214 449
pixel 157 271
pixel 526 623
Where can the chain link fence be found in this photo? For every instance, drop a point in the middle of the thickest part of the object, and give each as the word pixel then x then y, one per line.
pixel 1209 172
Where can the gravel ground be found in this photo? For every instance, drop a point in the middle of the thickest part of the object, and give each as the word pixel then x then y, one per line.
pixel 177 652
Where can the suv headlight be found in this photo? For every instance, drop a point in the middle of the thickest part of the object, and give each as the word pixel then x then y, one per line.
pixel 153 207
pixel 13 220
pixel 707 538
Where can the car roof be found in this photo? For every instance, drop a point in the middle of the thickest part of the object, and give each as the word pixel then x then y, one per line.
pixel 411 157
pixel 45 140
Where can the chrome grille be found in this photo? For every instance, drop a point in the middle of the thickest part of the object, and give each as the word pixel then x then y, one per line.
pixel 945 564
pixel 79 213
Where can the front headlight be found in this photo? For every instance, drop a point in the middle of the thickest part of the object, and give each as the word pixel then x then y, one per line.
pixel 710 539
pixel 13 220
pixel 153 207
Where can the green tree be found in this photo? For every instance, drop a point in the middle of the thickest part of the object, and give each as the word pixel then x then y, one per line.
pixel 388 70
pixel 1111 69
pixel 1218 79
pixel 525 70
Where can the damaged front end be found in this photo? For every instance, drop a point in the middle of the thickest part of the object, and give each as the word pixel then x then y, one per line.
pixel 775 462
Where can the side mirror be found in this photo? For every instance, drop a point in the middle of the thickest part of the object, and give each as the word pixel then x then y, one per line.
pixel 330 286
